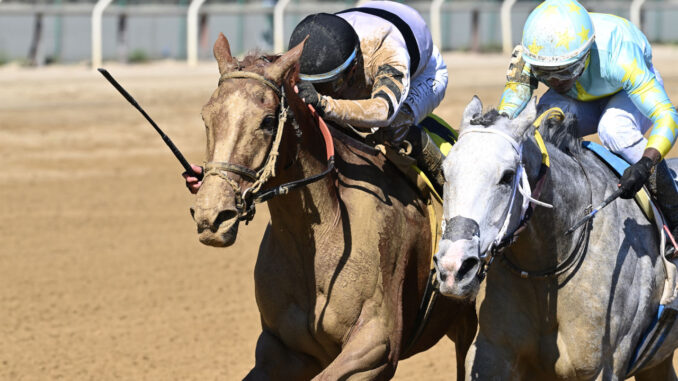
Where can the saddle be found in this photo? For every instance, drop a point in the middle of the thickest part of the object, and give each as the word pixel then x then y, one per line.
pixel 442 134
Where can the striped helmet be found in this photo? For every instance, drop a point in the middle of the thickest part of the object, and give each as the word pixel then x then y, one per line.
pixel 557 33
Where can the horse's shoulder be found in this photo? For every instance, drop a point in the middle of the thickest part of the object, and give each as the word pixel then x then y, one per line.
pixel 364 169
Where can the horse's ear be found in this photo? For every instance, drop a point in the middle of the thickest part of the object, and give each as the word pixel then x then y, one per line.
pixel 473 109
pixel 283 64
pixel 524 120
pixel 222 52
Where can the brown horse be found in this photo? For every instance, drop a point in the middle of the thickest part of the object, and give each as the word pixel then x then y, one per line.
pixel 344 261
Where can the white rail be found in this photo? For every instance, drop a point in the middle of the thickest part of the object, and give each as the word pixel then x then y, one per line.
pixel 278 23
pixel 97 15
pixel 634 12
pixel 192 32
pixel 506 38
pixel 436 29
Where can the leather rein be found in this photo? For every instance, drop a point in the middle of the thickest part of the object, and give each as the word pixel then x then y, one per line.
pixel 246 200
pixel 506 238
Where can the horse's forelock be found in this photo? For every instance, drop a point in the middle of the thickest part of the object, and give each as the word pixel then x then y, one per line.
pixel 486 120
pixel 563 134
pixel 255 59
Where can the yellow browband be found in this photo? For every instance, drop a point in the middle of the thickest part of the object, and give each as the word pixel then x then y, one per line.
pixel 552 113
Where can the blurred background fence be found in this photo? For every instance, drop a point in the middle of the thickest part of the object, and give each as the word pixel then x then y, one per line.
pixel 41 32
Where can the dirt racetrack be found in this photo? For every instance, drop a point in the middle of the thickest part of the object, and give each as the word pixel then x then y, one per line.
pixel 101 273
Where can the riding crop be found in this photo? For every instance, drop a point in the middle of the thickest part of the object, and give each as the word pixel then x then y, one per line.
pixel 168 141
pixel 589 216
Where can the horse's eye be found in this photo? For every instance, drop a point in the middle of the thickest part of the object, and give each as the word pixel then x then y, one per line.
pixel 269 124
pixel 507 178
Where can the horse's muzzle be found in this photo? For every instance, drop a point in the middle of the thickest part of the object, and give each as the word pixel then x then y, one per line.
pixel 218 229
pixel 457 264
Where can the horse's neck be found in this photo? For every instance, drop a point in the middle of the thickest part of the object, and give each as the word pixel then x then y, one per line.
pixel 568 190
pixel 297 216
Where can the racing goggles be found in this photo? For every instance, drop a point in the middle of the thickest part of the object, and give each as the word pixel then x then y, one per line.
pixel 333 78
pixel 560 73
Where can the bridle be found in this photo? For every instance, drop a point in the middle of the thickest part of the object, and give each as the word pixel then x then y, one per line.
pixel 245 200
pixel 521 185
pixel 506 238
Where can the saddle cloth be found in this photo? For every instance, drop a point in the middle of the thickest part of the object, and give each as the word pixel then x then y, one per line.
pixel 663 321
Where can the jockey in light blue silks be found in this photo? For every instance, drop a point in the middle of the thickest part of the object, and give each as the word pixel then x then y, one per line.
pixel 599 67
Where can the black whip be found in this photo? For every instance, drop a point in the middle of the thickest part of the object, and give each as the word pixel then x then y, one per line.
pixel 164 137
pixel 589 216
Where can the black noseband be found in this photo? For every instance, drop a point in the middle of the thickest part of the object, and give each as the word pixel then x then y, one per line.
pixel 458 227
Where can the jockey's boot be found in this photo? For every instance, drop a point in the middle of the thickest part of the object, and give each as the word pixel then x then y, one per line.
pixel 428 156
pixel 664 189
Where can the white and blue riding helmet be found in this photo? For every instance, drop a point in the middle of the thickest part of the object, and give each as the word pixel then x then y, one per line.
pixel 557 35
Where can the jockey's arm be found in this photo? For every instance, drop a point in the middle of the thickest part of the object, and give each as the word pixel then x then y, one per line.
pixel 649 96
pixel 520 83
pixel 427 88
pixel 390 87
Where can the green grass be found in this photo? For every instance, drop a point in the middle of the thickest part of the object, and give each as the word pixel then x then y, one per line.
pixel 138 56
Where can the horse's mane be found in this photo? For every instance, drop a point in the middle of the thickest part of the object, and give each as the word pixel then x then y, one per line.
pixel 486 120
pixel 562 134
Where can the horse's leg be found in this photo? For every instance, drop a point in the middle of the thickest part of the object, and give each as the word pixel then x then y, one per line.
pixel 364 357
pixel 462 332
pixel 274 361
pixel 661 372
pixel 486 361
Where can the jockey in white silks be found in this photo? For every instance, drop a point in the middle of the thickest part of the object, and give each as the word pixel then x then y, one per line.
pixel 375 68
pixel 599 67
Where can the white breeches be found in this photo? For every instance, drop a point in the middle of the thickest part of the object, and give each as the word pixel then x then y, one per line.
pixel 428 87
pixel 619 123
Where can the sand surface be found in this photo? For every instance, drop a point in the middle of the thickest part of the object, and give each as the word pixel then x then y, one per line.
pixel 101 273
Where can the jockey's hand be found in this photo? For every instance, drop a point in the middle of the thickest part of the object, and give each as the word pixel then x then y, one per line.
pixel 310 95
pixel 635 177
pixel 192 182
pixel 515 73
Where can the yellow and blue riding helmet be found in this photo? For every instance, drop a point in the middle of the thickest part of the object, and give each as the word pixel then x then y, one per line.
pixel 557 34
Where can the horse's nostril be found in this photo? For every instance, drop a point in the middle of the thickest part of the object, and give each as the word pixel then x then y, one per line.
pixel 224 215
pixel 466 266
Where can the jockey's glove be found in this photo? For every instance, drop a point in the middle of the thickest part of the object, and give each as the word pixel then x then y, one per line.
pixel 515 74
pixel 311 96
pixel 635 177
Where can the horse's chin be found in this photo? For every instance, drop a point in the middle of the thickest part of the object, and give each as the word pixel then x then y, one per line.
pixel 460 290
pixel 224 236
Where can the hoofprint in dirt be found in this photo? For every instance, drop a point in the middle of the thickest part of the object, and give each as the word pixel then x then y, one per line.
pixel 102 274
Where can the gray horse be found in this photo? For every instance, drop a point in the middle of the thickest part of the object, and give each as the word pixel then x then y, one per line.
pixel 554 306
